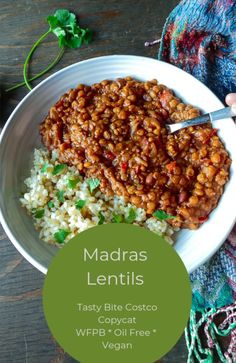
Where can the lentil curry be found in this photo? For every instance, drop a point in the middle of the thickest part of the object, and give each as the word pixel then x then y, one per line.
pixel 115 131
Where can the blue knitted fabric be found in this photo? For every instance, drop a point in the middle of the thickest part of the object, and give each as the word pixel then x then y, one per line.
pixel 200 37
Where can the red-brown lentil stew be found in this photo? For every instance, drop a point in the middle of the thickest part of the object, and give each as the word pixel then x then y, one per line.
pixel 115 131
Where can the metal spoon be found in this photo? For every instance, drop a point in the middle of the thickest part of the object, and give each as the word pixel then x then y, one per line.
pixel 208 117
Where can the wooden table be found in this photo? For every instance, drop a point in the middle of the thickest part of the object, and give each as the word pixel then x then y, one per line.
pixel 121 27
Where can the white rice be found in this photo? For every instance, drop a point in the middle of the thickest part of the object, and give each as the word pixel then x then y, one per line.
pixel 42 187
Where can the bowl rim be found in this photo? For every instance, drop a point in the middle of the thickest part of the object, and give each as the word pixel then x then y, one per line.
pixel 5 130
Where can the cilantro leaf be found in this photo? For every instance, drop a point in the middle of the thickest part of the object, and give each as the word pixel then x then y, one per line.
pixel 87 37
pixel 52 21
pixel 65 17
pixel 101 218
pixel 93 184
pixel 80 204
pixel 64 25
pixel 39 213
pixel 61 235
pixel 60 196
pixel 75 42
pixel 131 216
pixel 50 204
pixel 117 218
pixel 58 168
pixel 162 215
pixel 73 182
pixel 44 168
pixel 59 32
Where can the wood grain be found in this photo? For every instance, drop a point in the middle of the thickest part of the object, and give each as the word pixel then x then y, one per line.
pixel 120 27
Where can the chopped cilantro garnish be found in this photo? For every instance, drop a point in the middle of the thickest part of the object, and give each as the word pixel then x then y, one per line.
pixel 162 215
pixel 131 217
pixel 93 183
pixel 44 168
pixel 39 213
pixel 60 196
pixel 50 204
pixel 73 182
pixel 117 218
pixel 61 235
pixel 101 218
pixel 58 168
pixel 80 204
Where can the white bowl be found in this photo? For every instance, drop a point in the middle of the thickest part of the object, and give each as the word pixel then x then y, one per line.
pixel 20 136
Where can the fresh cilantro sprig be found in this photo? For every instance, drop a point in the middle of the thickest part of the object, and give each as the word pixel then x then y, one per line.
pixel 63 24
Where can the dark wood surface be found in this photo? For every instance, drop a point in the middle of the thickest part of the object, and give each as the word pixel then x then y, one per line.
pixel 121 27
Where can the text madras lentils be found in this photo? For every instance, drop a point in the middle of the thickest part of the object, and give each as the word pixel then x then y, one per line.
pixel 115 131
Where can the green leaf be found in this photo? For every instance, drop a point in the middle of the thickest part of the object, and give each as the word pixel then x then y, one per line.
pixel 101 218
pixel 58 169
pixel 75 42
pixel 64 25
pixel 61 235
pixel 39 213
pixel 117 218
pixel 60 196
pixel 61 41
pixel 80 204
pixel 87 37
pixel 73 182
pixel 50 204
pixel 162 215
pixel 59 32
pixel 53 22
pixel 44 168
pixel 65 17
pixel 93 184
pixel 131 217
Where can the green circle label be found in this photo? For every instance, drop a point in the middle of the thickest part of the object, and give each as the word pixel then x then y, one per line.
pixel 117 293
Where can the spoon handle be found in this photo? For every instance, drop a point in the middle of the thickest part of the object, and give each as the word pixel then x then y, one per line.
pixel 208 117
pixel 223 113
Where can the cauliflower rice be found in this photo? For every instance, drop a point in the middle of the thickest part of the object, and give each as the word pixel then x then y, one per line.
pixel 63 205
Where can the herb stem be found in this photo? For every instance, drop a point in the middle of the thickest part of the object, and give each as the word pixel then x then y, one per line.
pixel 25 68
pixel 51 65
